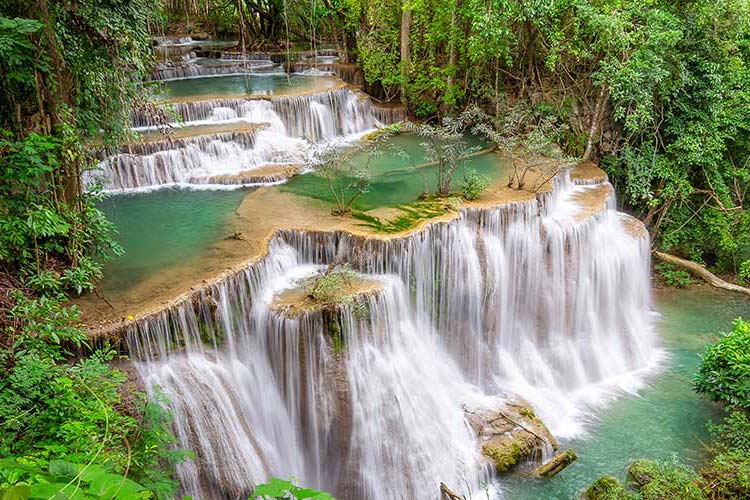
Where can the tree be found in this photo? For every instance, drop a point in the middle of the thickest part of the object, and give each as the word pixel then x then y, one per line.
pixel 445 146
pixel 347 172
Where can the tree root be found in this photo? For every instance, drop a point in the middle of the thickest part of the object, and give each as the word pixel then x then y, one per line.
pixel 701 272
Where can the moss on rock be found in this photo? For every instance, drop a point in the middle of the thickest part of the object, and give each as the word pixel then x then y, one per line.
pixel 606 488
pixel 510 435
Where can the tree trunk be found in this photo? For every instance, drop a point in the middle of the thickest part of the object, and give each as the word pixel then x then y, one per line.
pixel 595 120
pixel 701 272
pixel 406 19
pixel 557 464
pixel 241 11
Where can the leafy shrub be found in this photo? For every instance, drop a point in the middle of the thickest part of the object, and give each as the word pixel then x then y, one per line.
pixel 54 408
pixel 743 275
pixel 62 480
pixel 665 480
pixel 473 184
pixel 329 286
pixel 674 277
pixel 733 433
pixel 280 489
pixel 724 374
pixel 606 488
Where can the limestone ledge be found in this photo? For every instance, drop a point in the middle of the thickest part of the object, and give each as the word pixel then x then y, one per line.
pixel 263 174
pixel 262 215
pixel 327 84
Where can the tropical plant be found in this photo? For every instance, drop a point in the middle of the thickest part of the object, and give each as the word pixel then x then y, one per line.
pixel 724 374
pixel 473 184
pixel 445 146
pixel 64 480
pixel 280 489
pixel 347 172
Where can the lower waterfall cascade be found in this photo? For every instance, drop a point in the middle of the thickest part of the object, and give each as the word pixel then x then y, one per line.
pixel 547 300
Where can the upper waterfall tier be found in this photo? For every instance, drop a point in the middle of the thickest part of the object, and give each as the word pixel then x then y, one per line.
pixel 543 297
pixel 237 140
pixel 314 115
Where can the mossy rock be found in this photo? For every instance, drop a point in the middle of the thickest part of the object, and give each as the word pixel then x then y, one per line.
pixel 504 457
pixel 506 451
pixel 606 488
pixel 641 472
pixel 510 434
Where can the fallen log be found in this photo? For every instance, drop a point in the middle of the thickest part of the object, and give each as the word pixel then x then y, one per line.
pixel 701 272
pixel 557 464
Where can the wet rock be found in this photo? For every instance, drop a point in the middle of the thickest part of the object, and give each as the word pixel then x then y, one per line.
pixel 510 434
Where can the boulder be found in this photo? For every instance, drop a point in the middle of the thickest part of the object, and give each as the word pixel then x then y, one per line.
pixel 510 434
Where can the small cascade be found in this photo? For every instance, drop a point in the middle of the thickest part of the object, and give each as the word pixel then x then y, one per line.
pixel 289 129
pixel 547 300
pixel 193 160
pixel 192 69
pixel 315 116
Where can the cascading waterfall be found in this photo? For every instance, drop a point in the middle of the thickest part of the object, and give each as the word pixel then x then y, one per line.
pixel 197 160
pixel 546 299
pixel 349 113
pixel 290 127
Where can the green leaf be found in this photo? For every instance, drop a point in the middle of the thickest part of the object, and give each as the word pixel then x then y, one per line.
pixel 17 492
pixel 62 469
pixel 47 490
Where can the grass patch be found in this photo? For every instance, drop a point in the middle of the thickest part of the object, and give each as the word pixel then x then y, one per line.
pixel 412 214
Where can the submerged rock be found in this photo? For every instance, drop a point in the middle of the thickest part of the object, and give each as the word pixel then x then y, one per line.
pixel 510 434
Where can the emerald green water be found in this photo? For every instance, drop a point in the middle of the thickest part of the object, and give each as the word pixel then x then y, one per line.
pixel 394 180
pixel 163 228
pixel 666 418
pixel 245 85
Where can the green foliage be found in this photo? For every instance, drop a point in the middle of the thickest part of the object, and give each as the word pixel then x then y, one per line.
pixel 330 286
pixel 473 184
pixel 412 214
pixel 346 177
pixel 64 480
pixel 724 374
pixel 606 488
pixel 672 276
pixel 51 244
pixel 743 275
pixel 280 489
pixel 665 480
pixel 52 408
pixel 733 433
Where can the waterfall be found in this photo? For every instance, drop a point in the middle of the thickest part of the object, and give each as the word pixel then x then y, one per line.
pixel 197 160
pixel 348 113
pixel 545 299
pixel 290 129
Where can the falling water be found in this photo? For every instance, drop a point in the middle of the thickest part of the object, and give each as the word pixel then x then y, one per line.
pixel 349 112
pixel 545 299
pixel 290 128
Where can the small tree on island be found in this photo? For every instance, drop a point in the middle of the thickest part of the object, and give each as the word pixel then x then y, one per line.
pixel 347 171
pixel 445 146
pixel 516 131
